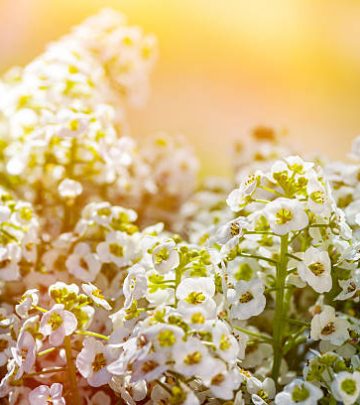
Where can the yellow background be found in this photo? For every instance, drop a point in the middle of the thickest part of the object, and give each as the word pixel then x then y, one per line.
pixel 225 66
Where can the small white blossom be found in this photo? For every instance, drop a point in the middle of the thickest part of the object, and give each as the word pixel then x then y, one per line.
pixel 326 326
pixel 70 188
pixel 92 362
pixel 30 298
pixel 222 382
pixel 241 196
pixel 58 323
pixel 231 232
pixel 82 263
pixel 346 387
pixel 165 257
pixel 135 284
pixel 6 342
pixel 96 295
pixel 300 393
pixel 247 299
pixel 315 269
pixel 9 258
pixel 43 394
pixel 24 353
pixel 193 358
pixel 286 215
pixel 118 248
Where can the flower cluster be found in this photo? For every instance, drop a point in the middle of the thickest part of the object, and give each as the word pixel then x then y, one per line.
pixel 121 283
pixel 65 137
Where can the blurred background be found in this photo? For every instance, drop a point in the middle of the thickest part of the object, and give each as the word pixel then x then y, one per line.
pixel 226 66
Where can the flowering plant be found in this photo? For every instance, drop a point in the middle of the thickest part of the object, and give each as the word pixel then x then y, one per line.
pixel 122 283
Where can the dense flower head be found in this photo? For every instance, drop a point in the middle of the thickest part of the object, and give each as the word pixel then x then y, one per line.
pixel 122 281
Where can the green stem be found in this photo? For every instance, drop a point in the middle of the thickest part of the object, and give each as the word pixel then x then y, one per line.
pixel 178 276
pixel 253 334
pixel 270 190
pixel 279 318
pixel 47 351
pixel 259 200
pixel 75 395
pixel 267 259
pixel 260 233
pixel 43 310
pixel 49 371
pixel 93 334
pixel 298 322
pixel 294 257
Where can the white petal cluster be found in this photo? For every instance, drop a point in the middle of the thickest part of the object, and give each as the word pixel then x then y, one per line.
pixel 246 292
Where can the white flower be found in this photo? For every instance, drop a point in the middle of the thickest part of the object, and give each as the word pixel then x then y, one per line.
pixel 5 213
pixel 242 268
pixel 315 269
pixel 130 392
pixel 135 284
pixel 346 387
pixel 70 188
pixel 247 300
pixel 318 201
pixel 231 232
pixel 300 393
pixel 99 398
pixel 193 358
pixel 24 353
pixel 96 295
pixel 118 248
pixel 260 389
pixel 227 347
pixel 222 382
pixel 150 367
pixel 82 263
pixel 9 258
pixel 43 394
pixel 241 196
pixel 6 342
pixel 286 215
pixel 92 362
pixel 196 292
pixel 165 257
pixel 349 287
pixel 58 323
pixel 30 298
pixel 326 326
pixel 164 337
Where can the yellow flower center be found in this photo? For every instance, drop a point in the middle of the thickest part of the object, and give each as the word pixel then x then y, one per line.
pixel 99 362
pixel 55 321
pixel 166 338
pixel 328 329
pixel 193 358
pixel 234 229
pixel 246 297
pixel 161 255
pixel 317 268
pixel 198 318
pixel 283 216
pixel 224 343
pixel 195 298
pixel 218 379
pixel 116 250
pixel 98 294
pixel 149 365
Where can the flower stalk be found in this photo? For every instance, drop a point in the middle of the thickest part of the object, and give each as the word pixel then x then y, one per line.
pixel 75 395
pixel 280 316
